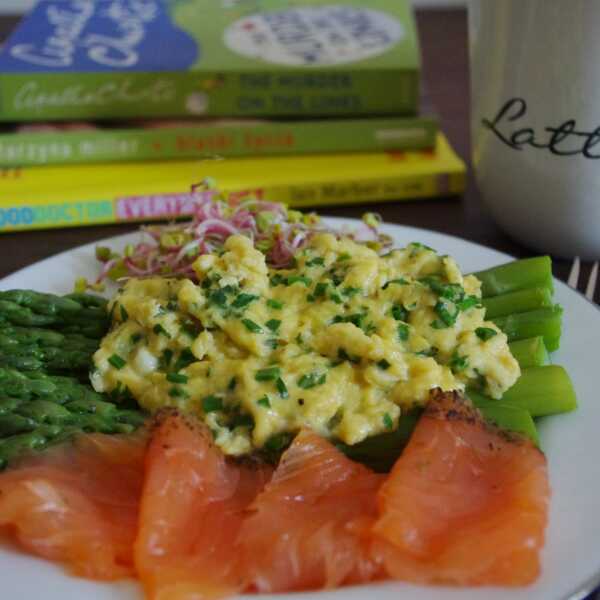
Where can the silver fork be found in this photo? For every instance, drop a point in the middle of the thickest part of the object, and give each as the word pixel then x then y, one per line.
pixel 590 288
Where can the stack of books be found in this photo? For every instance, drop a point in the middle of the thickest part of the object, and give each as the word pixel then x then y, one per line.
pixel 111 109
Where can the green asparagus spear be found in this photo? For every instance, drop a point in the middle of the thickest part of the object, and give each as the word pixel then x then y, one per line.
pixel 8 405
pixel 72 314
pixel 14 446
pixel 11 424
pixel 545 322
pixel 51 360
pixel 517 302
pixel 11 336
pixel 530 352
pixel 88 300
pixel 43 334
pixel 27 386
pixel 380 452
pixel 506 416
pixel 516 275
pixel 541 391
pixel 34 424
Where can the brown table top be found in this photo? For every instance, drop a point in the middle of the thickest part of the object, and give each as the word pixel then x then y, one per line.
pixel 443 35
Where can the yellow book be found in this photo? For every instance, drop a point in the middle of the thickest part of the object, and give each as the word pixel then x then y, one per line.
pixel 69 196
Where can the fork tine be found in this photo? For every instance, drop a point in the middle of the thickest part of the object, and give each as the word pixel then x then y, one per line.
pixel 591 285
pixel 574 274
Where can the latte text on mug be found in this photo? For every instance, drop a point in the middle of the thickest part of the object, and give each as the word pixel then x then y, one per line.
pixel 562 140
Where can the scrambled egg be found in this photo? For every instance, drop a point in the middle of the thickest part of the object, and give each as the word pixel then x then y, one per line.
pixel 342 343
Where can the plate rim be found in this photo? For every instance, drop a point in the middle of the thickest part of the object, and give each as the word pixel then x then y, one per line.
pixel 581 591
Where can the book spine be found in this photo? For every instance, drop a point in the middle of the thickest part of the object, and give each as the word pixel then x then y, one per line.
pixel 92 209
pixel 253 139
pixel 90 96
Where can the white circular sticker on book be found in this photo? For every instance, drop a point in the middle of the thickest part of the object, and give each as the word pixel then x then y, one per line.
pixel 314 36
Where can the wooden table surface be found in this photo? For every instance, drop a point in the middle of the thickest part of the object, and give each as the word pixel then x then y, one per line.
pixel 443 35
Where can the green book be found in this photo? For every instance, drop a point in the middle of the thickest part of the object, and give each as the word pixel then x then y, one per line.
pixel 83 142
pixel 107 59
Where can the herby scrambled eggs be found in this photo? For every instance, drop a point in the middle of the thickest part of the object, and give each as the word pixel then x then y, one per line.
pixel 342 343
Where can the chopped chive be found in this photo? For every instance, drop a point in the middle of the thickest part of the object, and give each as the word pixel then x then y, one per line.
pixel 177 378
pixel 384 364
pixel 281 388
pixel 318 260
pixel 273 325
pixel 298 279
pixel 458 363
pixel 311 380
pixel 264 401
pixel 124 313
pixel 469 302
pixel 211 404
pixel 403 332
pixel 277 279
pixel 450 291
pixel 176 392
pixel 485 333
pixel 186 358
pixel 431 352
pixel 399 312
pixel 116 361
pixel 166 357
pixel 230 289
pixel 355 318
pixel 241 421
pixel 278 442
pixel 343 355
pixel 172 305
pixel 336 298
pixel 272 343
pixel 344 256
pixel 251 326
pixel 232 383
pixel 160 330
pixel 336 278
pixel 268 374
pixel 335 420
pixel 218 297
pixel 387 421
pixel 320 289
pixel 421 246
pixel 191 328
pixel 350 291
pixel 136 337
pixel 274 304
pixel 446 311
pixel 398 280
pixel 243 300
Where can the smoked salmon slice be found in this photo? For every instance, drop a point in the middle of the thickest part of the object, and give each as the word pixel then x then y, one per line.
pixel 192 507
pixel 309 528
pixel 78 503
pixel 465 503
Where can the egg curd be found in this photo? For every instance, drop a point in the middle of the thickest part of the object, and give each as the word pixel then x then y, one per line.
pixel 341 343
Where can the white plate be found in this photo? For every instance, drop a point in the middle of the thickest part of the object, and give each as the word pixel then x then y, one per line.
pixel 571 558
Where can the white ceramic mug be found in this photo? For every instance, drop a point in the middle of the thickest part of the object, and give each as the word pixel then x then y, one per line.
pixel 535 106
